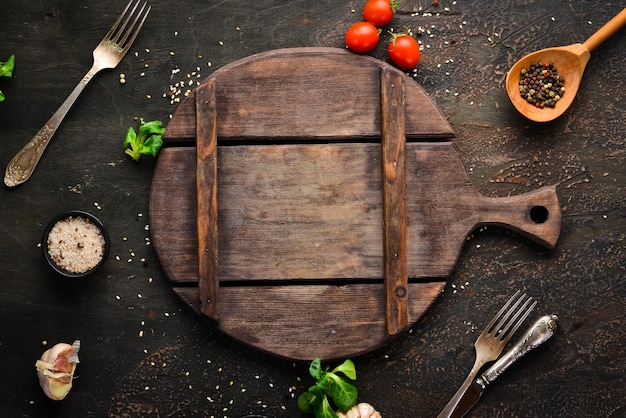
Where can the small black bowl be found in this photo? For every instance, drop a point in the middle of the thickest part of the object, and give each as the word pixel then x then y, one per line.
pixel 66 271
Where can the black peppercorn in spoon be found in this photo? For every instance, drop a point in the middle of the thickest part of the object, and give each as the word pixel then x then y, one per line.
pixel 569 61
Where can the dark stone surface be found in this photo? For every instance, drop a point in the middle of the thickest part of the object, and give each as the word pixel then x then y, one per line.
pixel 145 353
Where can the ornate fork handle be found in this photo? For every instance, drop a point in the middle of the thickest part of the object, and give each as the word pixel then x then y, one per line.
pixel 24 162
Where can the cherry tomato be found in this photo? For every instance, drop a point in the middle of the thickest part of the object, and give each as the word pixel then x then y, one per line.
pixel 378 12
pixel 362 37
pixel 404 51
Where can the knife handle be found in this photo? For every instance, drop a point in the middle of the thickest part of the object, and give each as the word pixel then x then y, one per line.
pixel 541 331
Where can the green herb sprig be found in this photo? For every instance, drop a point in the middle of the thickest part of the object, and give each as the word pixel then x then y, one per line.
pixel 332 384
pixel 146 141
pixel 6 70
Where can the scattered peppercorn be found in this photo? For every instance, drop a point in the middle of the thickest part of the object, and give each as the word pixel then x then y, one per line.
pixel 540 85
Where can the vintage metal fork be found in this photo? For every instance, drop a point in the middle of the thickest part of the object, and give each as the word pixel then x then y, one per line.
pixel 107 55
pixel 492 340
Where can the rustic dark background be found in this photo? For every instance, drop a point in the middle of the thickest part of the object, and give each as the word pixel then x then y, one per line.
pixel 145 353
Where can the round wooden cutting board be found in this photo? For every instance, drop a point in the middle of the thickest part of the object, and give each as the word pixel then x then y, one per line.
pixel 311 202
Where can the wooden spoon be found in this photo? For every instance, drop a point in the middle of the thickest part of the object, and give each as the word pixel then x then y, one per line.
pixel 570 62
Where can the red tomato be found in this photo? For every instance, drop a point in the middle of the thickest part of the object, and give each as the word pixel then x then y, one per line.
pixel 378 12
pixel 404 51
pixel 362 37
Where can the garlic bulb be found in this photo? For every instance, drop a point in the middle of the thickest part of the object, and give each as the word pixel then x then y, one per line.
pixel 56 369
pixel 361 410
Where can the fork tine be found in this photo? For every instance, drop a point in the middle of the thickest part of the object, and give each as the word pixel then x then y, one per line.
pixel 507 334
pixel 124 31
pixel 138 25
pixel 134 27
pixel 497 316
pixel 116 25
pixel 498 329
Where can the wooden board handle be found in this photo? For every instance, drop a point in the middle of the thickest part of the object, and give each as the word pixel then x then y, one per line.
pixel 206 192
pixel 535 214
pixel 393 139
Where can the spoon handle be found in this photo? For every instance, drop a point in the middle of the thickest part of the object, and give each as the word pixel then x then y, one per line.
pixel 606 31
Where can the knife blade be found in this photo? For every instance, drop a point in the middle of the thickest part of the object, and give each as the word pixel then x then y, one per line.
pixel 541 331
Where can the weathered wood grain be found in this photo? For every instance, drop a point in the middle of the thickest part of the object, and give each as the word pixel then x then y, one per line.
pixel 305 322
pixel 206 199
pixel 393 145
pixel 322 93
pixel 290 212
pixel 319 189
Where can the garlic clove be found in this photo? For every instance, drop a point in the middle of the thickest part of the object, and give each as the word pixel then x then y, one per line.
pixel 56 369
pixel 361 410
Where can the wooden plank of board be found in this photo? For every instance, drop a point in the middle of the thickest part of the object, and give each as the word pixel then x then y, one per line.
pixel 325 94
pixel 292 212
pixel 206 192
pixel 394 199
pixel 295 321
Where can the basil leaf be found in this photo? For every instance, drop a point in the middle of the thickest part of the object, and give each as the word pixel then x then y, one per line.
pixel 147 141
pixel 344 393
pixel 6 68
pixel 347 368
pixel 315 369
pixel 325 411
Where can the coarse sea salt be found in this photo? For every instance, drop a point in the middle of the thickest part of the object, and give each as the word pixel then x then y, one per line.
pixel 75 244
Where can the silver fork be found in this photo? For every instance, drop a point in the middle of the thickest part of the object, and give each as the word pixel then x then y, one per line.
pixel 107 55
pixel 492 340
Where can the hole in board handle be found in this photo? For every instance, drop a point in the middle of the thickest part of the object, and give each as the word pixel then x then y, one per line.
pixel 539 214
